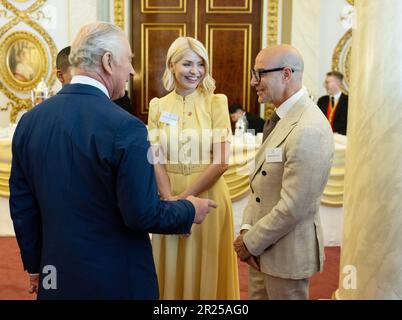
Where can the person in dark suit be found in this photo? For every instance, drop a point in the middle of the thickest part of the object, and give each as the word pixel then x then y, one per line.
pixel 253 121
pixel 335 104
pixel 83 194
pixel 63 66
pixel 124 102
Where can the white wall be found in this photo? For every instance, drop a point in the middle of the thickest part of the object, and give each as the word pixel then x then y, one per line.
pixel 316 30
pixel 80 13
pixel 306 38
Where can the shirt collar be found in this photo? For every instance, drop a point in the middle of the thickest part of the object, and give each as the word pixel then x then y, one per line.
pixel 337 96
pixel 188 97
pixel 91 82
pixel 284 108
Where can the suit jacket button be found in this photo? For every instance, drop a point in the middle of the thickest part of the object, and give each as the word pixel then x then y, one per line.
pixel 264 173
pixel 258 199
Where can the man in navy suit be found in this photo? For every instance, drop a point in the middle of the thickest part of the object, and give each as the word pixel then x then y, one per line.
pixel 83 195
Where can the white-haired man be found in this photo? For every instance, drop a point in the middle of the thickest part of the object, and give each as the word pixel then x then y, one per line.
pixel 281 236
pixel 83 196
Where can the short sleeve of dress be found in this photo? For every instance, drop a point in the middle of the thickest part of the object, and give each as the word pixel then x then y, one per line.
pixel 153 116
pixel 220 119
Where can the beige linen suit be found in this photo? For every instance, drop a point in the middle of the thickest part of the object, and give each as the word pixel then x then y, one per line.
pixel 286 231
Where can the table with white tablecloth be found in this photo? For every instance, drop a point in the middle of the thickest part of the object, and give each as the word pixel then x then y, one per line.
pixel 6 227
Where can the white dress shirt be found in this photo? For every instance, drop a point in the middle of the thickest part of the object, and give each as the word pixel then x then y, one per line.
pixel 336 97
pixel 284 108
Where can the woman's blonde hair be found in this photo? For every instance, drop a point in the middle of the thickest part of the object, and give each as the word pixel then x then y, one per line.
pixel 176 52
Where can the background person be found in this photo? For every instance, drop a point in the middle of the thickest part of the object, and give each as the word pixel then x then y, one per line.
pixel 335 104
pixel 254 123
pixel 63 66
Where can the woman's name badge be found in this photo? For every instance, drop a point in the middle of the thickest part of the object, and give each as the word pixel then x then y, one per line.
pixel 273 155
pixel 169 118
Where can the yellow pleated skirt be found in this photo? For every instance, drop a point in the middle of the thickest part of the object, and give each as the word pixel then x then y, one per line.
pixel 204 264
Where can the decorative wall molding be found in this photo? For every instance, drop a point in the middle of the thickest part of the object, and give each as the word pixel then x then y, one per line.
pixel 41 16
pixel 341 58
pixel 272 40
pixel 18 96
pixel 4 14
pixel 119 11
pixel 272 22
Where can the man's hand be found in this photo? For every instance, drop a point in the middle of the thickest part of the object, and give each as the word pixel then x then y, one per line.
pixel 240 248
pixel 33 283
pixel 202 207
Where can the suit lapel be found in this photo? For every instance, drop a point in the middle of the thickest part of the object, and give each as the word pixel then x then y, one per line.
pixel 280 132
pixel 340 109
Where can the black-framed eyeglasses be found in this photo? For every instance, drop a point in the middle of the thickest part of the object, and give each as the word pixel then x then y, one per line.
pixel 257 74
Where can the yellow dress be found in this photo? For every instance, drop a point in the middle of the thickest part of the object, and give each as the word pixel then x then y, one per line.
pixel 202 265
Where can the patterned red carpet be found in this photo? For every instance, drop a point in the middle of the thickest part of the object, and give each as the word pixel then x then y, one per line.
pixel 14 281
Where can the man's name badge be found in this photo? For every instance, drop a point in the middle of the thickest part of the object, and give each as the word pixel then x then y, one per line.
pixel 273 155
pixel 169 118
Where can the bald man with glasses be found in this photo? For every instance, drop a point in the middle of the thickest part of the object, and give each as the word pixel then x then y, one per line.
pixel 281 237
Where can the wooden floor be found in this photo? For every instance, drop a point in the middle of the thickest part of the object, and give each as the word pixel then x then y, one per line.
pixel 14 281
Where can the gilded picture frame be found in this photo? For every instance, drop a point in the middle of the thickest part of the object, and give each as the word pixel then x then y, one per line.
pixel 23 61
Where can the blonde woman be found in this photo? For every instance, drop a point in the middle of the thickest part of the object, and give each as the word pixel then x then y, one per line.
pixel 190 127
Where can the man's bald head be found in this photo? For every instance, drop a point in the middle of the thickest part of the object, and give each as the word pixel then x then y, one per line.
pixel 276 86
pixel 283 56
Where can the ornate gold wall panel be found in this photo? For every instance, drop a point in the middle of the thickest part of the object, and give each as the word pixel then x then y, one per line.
pixel 17 92
pixel 242 32
pixel 272 39
pixel 168 30
pixel 163 6
pixel 215 6
pixel 341 58
pixel 119 13
pixel 272 22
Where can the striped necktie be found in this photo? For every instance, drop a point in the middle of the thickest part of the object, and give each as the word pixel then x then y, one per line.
pixel 270 125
